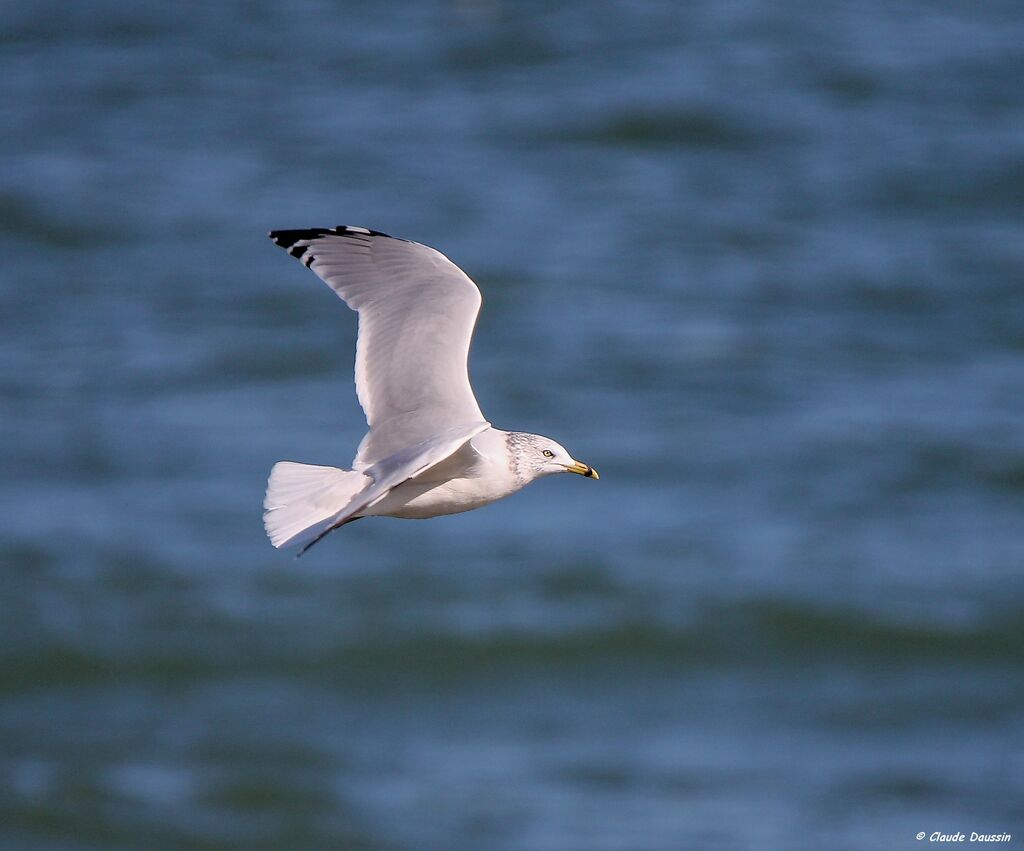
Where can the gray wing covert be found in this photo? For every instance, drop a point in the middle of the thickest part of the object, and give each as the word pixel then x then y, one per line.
pixel 417 311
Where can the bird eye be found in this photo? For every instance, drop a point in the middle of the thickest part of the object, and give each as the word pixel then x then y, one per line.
pixel 548 453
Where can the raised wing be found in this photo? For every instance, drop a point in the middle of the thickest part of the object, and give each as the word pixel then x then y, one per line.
pixel 416 311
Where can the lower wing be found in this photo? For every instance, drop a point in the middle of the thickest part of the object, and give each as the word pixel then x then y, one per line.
pixel 391 472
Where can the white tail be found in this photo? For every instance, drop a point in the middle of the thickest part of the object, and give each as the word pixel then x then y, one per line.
pixel 304 500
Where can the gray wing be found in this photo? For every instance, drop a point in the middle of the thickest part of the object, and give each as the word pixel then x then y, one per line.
pixel 417 311
pixel 388 474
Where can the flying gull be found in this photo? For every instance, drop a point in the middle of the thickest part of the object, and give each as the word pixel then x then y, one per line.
pixel 429 450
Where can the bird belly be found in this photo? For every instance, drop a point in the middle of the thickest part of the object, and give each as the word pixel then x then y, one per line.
pixel 415 500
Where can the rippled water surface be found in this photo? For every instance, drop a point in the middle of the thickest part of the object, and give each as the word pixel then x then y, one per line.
pixel 761 264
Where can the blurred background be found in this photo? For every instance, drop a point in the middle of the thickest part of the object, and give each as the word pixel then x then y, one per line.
pixel 759 263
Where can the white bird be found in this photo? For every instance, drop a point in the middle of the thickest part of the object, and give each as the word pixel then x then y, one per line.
pixel 429 450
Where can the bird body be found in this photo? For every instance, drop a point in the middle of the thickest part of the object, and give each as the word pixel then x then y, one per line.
pixel 429 450
pixel 478 473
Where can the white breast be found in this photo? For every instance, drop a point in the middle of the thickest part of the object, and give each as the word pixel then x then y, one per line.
pixel 476 475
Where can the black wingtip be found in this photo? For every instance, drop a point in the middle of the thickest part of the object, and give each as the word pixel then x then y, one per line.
pixel 289 239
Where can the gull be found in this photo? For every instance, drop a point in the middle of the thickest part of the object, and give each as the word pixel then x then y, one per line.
pixel 429 451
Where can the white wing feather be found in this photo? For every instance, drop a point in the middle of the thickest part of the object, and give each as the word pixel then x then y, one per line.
pixel 417 311
pixel 385 475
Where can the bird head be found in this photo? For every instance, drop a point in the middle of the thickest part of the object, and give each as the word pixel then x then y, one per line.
pixel 538 456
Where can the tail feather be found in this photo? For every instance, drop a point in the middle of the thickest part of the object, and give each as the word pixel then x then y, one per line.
pixel 304 500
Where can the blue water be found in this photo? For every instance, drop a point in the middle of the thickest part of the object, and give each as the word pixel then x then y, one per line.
pixel 760 264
